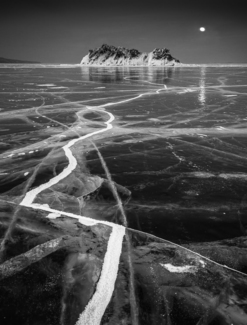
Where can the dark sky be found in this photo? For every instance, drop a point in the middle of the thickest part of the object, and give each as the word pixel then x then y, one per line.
pixel 58 31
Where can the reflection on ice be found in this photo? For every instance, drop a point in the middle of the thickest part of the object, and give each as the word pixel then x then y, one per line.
pixel 147 75
pixel 202 91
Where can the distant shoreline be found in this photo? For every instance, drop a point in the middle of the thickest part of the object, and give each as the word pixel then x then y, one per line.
pixel 74 65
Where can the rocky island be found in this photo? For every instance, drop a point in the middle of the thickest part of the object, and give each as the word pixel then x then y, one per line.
pixel 108 55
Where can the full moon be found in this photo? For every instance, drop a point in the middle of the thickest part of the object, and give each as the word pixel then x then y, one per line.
pixel 202 29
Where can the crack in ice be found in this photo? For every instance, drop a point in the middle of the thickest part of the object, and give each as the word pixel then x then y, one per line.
pixel 105 287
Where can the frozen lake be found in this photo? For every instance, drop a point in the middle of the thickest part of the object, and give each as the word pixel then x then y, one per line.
pixel 180 148
pixel 173 141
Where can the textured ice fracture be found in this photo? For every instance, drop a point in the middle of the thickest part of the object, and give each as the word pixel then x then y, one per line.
pixel 96 307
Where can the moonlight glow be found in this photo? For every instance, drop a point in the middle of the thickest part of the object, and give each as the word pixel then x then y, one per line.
pixel 202 29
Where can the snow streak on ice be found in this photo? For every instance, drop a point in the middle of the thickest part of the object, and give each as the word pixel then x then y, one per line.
pixel 96 307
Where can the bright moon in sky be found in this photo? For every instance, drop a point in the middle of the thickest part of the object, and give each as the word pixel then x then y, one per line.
pixel 202 29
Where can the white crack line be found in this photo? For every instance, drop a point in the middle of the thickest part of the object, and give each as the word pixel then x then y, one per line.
pixel 105 287
pixel 30 196
pixel 96 307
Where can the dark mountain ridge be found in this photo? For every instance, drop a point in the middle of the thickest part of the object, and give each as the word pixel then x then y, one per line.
pixel 5 60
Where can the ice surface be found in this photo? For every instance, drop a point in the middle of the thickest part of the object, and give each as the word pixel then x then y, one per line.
pixel 173 137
